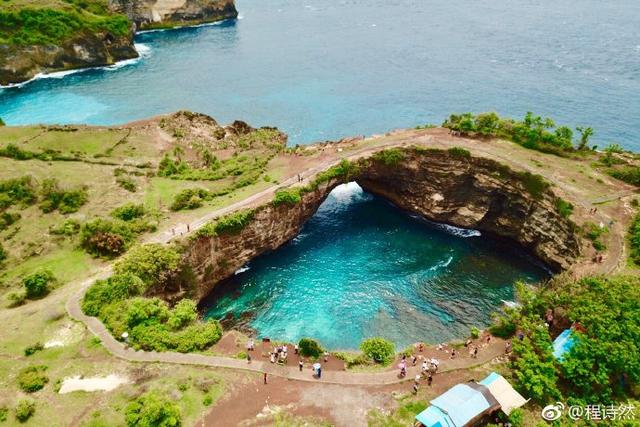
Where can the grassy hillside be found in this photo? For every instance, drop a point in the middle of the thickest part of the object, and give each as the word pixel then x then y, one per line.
pixel 27 22
pixel 58 185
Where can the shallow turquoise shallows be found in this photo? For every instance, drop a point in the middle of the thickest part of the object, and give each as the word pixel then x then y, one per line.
pixel 325 69
pixel 362 268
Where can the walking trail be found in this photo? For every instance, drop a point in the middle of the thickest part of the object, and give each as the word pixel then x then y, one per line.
pixel 438 140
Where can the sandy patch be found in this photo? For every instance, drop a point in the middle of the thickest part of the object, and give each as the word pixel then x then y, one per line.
pixel 107 383
pixel 69 333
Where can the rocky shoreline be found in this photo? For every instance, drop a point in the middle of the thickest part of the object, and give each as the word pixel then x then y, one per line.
pixel 87 49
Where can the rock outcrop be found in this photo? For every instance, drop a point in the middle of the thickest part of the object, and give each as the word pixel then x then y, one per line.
pixel 458 190
pixel 86 49
pixel 170 13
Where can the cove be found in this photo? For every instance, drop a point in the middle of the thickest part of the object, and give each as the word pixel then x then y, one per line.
pixel 361 267
pixel 328 69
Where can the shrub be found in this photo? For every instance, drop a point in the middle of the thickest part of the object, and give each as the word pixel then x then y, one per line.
pixel 475 333
pixel 3 253
pixel 460 153
pixel 390 157
pixel 66 201
pixel 184 313
pixel 288 196
pixel 128 212
pixel 379 349
pixel 628 174
pixel 32 349
pixel 151 409
pixel 309 348
pixel 25 409
pixel 564 208
pixel 104 292
pixel 102 237
pixel 234 223
pixel 593 232
pixel 190 198
pixel 152 263
pixel 69 227
pixel 17 191
pixel 535 184
pixel 126 183
pixel 32 378
pixel 7 219
pixel 634 239
pixel 38 284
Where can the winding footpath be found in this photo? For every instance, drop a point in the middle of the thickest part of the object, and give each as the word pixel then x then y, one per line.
pixel 332 377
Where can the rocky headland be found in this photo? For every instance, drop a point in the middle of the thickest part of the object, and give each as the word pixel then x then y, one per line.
pixel 76 38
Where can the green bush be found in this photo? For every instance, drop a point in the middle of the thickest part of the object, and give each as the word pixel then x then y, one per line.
pixel 235 222
pixel 628 174
pixel 104 292
pixel 25 409
pixel 103 237
pixel 3 253
pixel 126 183
pixel 475 333
pixel 38 284
pixel 128 212
pixel 65 201
pixel 287 196
pixel 151 262
pixel 152 410
pixel 309 348
pixel 18 191
pixel 535 184
pixel 390 156
pixel 69 227
pixel 32 378
pixel 379 349
pixel 183 314
pixel 190 198
pixel 634 239
pixel 459 152
pixel 7 219
pixel 564 208
pixel 32 349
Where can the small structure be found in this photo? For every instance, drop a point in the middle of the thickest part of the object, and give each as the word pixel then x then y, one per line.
pixel 563 343
pixel 466 404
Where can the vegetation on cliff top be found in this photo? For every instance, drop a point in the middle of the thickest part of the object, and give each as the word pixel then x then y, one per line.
pixel 22 24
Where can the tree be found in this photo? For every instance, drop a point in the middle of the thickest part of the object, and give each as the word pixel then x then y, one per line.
pixel 152 410
pixel 152 263
pixel 37 284
pixel 25 409
pixel 585 134
pixel 378 349
pixel 32 378
pixel 309 348
pixel 183 314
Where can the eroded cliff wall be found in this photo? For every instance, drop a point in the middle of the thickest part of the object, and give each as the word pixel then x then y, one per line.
pixel 166 13
pixel 86 49
pixel 458 190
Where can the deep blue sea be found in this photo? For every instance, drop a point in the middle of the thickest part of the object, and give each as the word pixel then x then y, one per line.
pixel 362 268
pixel 325 69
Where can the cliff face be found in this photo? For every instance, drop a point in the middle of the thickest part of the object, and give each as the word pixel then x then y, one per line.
pixel 87 49
pixel 161 13
pixel 466 192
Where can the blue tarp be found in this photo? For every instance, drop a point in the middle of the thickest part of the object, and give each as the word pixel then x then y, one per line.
pixel 462 403
pixel 563 344
pixel 434 417
pixel 491 378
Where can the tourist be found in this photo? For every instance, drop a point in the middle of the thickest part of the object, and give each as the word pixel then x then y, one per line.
pixel 326 356
pixel 272 357
pixel 417 378
pixel 425 367
pixel 319 372
pixel 488 339
pixel 414 359
pixel 507 347
pixel 453 353
pixel 429 379
pixel 475 352
pixel 265 377
pixel 403 369
pixel 468 342
pixel 300 365
pixel 248 357
pixel 415 388
pixel 188 228
pixel 420 347
pixel 295 349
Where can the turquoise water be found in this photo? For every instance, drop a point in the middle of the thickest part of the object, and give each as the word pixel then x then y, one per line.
pixel 325 69
pixel 361 267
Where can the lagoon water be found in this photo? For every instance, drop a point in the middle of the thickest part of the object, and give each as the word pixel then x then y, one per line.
pixel 361 268
pixel 325 69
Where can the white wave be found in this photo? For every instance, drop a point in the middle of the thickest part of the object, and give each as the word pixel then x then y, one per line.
pixel 178 27
pixel 346 192
pixel 242 270
pixel 240 17
pixel 143 52
pixel 457 231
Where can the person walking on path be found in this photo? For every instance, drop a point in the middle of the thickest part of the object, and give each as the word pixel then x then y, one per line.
pixel 429 379
pixel 319 372
pixel 475 352
pixel 265 378
pixel 300 365
pixel 248 357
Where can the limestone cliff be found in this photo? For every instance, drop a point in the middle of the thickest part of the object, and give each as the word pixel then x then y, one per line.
pixel 458 190
pixel 168 13
pixel 85 49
